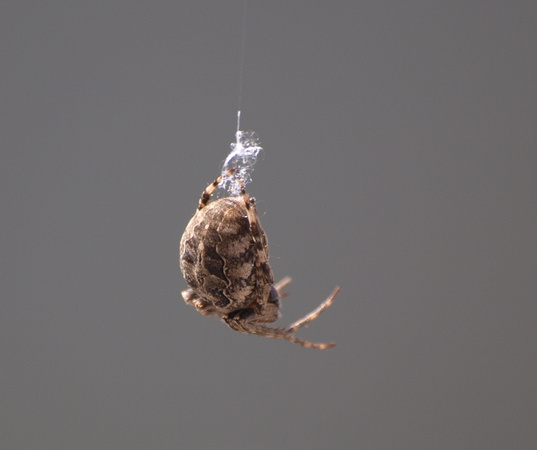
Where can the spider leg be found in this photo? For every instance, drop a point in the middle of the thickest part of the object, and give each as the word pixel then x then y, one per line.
pixel 204 307
pixel 245 326
pixel 263 271
pixel 280 285
pixel 315 313
pixel 278 333
pixel 206 194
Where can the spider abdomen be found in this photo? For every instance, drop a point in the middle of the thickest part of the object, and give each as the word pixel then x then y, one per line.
pixel 219 254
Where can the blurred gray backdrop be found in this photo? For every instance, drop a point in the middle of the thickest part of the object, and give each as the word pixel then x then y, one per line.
pixel 400 162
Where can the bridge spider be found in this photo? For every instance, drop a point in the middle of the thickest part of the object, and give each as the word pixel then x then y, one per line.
pixel 224 257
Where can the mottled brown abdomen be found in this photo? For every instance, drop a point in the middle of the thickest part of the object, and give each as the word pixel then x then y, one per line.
pixel 218 255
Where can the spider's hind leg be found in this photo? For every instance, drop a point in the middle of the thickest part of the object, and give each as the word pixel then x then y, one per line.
pixel 281 285
pixel 245 326
pixel 206 194
pixel 251 324
pixel 315 313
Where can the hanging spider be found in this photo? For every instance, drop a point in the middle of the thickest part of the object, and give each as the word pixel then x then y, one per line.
pixel 224 258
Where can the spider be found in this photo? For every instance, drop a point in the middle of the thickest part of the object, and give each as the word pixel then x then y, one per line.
pixel 224 258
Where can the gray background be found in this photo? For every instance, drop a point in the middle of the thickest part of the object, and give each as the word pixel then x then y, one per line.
pixel 400 162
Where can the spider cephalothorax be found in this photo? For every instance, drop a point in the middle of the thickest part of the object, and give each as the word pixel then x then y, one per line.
pixel 224 258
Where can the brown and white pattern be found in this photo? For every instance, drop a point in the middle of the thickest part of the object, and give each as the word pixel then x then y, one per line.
pixel 224 258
